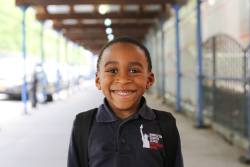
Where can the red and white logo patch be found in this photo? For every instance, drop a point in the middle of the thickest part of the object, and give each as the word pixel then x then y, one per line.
pixel 151 140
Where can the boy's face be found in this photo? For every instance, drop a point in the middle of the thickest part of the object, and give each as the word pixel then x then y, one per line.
pixel 123 76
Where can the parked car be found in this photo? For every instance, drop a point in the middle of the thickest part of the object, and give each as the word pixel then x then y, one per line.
pixel 11 75
pixel 11 78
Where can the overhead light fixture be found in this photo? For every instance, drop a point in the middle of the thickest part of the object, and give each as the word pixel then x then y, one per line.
pixel 70 21
pixel 107 22
pixel 48 24
pixel 58 9
pixel 103 9
pixel 110 37
pixel 108 30
pixel 211 2
pixel 83 8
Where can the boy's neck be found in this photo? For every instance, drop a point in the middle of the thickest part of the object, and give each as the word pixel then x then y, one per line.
pixel 123 114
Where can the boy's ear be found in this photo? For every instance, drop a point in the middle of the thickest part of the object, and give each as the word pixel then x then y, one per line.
pixel 150 80
pixel 97 81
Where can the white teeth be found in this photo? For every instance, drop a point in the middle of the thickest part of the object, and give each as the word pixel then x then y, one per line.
pixel 123 93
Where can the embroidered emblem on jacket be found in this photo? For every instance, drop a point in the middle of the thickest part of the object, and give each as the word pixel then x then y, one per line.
pixel 151 140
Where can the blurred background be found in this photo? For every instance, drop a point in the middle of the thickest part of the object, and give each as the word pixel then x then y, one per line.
pixel 200 54
pixel 50 62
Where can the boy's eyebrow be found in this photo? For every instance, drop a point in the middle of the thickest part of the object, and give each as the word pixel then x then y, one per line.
pixel 130 63
pixel 135 64
pixel 110 62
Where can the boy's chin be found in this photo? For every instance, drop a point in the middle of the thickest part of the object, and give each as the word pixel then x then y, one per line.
pixel 125 107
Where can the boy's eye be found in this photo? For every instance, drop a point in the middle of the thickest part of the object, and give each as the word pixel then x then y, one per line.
pixel 133 70
pixel 112 71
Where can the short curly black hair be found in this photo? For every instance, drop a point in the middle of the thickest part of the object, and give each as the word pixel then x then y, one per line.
pixel 125 40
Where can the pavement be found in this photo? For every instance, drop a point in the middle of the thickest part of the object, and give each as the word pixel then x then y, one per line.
pixel 41 138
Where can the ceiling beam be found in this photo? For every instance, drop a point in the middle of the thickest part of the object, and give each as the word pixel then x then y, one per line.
pixel 93 33
pixel 92 46
pixel 123 30
pixel 96 42
pixel 96 48
pixel 92 42
pixel 86 36
pixel 88 2
pixel 58 25
pixel 128 15
pixel 99 37
pixel 97 45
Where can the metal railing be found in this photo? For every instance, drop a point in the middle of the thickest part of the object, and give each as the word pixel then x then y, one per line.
pixel 225 82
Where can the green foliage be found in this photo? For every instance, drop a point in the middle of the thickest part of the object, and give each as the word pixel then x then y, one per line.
pixel 10 29
pixel 11 36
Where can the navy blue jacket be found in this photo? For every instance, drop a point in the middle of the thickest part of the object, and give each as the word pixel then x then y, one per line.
pixel 135 141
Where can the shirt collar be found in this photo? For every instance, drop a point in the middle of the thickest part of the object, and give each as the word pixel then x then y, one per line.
pixel 105 114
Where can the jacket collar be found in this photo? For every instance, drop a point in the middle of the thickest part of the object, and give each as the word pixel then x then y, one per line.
pixel 105 114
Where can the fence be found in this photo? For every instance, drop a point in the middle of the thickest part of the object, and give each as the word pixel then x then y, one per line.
pixel 225 83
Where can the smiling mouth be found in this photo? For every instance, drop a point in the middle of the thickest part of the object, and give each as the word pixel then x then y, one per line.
pixel 123 93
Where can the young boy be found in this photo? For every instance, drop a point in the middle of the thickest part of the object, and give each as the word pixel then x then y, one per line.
pixel 124 131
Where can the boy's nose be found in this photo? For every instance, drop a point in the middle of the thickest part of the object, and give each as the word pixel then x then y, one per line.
pixel 123 78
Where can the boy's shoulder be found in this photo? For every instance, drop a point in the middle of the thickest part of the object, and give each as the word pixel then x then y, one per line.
pixel 163 115
pixel 85 113
pixel 85 116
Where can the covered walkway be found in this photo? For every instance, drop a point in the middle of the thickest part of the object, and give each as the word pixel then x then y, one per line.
pixel 41 138
pixel 200 60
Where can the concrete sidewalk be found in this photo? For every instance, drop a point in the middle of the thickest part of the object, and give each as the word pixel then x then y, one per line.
pixel 41 138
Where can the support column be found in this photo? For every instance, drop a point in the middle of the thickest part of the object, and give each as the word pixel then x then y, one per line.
pixel 42 43
pixel 157 62
pixel 67 63
pixel 178 59
pixel 66 51
pixel 24 85
pixel 162 59
pixel 199 116
pixel 58 74
pixel 44 79
pixel 246 158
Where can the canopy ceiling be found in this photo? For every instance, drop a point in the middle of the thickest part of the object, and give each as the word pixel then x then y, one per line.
pixel 82 21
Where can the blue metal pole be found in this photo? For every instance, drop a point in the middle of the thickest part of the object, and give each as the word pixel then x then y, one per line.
pixel 163 58
pixel 157 62
pixel 200 121
pixel 67 63
pixel 42 43
pixel 178 59
pixel 24 86
pixel 44 79
pixel 58 86
pixel 246 158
